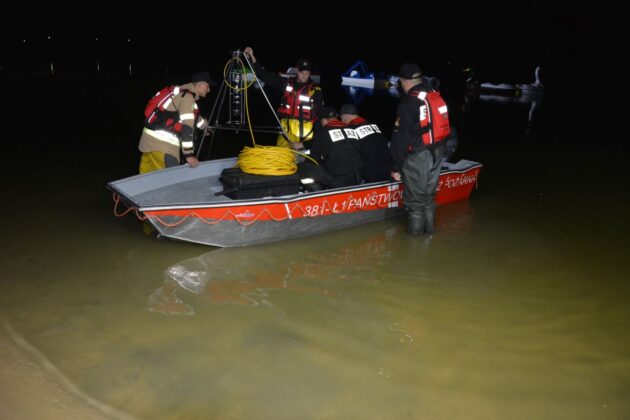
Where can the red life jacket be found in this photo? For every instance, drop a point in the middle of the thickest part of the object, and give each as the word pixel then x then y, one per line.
pixel 157 114
pixel 434 124
pixel 298 103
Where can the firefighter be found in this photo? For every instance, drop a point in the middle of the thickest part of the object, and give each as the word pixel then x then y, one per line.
pixel 301 101
pixel 171 117
pixel 418 147
pixel 336 149
pixel 372 144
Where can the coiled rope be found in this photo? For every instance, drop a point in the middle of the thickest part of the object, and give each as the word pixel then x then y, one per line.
pixel 261 160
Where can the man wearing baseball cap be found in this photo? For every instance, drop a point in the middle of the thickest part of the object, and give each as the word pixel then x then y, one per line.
pixel 414 162
pixel 171 117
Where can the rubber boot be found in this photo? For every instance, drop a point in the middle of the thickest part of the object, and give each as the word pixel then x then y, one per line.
pixel 415 223
pixel 429 220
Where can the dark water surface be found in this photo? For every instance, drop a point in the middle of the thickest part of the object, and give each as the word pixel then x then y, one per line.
pixel 516 308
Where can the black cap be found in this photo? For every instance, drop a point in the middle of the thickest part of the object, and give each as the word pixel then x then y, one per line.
pixel 202 76
pixel 409 71
pixel 327 112
pixel 304 64
pixel 348 109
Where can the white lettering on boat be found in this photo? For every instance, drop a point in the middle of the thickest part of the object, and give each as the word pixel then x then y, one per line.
pixel 245 215
pixel 457 181
pixel 344 203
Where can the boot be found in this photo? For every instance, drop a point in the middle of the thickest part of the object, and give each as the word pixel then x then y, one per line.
pixel 429 220
pixel 415 223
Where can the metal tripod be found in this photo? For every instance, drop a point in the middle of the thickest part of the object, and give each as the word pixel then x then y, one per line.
pixel 228 111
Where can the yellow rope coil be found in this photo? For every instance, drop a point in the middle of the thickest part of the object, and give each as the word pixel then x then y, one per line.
pixel 262 160
pixel 267 160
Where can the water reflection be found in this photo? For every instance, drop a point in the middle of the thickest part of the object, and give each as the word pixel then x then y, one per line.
pixel 251 275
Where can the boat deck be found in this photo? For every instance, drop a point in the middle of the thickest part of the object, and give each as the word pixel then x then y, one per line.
pixel 178 185
pixel 183 186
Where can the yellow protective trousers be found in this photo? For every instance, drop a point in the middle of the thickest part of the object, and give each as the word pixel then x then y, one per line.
pixel 154 161
pixel 292 128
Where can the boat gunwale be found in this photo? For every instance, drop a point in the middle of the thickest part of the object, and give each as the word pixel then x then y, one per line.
pixel 291 198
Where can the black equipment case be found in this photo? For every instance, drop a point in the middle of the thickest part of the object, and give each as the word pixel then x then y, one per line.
pixel 238 184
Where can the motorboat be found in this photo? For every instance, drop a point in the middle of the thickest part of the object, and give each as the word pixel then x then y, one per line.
pixel 527 90
pixel 190 204
pixel 357 75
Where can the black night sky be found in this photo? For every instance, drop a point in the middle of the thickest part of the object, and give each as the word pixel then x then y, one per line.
pixel 500 43
pixel 577 48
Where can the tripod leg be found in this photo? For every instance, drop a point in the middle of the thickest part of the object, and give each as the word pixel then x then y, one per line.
pixel 214 115
pixel 210 145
